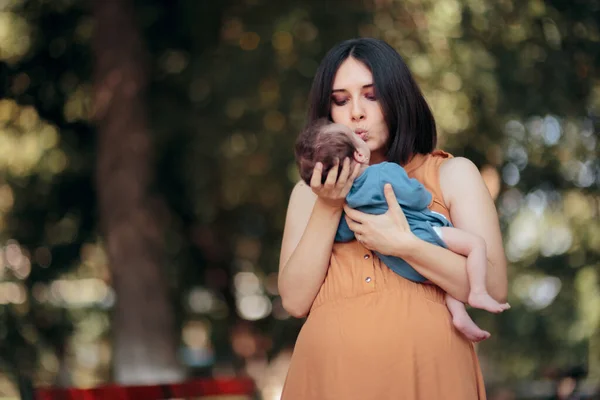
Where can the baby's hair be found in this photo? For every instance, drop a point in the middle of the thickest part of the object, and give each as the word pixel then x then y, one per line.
pixel 316 143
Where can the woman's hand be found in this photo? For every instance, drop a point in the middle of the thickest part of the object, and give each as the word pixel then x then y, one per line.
pixel 334 191
pixel 388 233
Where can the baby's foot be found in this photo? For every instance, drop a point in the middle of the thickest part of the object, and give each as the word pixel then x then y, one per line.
pixel 485 302
pixel 468 328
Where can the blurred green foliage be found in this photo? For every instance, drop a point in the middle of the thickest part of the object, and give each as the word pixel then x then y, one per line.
pixel 515 87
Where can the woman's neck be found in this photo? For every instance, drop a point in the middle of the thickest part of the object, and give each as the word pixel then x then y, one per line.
pixel 377 158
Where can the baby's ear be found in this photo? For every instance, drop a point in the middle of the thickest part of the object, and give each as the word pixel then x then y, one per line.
pixel 359 157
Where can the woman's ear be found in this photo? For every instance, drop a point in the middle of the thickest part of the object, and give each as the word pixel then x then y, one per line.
pixel 360 158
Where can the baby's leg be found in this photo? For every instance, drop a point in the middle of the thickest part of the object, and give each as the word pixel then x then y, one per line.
pixel 472 247
pixel 463 322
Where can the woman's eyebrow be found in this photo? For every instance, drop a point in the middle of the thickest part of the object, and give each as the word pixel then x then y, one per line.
pixel 368 86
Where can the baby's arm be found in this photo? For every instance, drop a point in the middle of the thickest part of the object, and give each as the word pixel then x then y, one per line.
pixel 473 247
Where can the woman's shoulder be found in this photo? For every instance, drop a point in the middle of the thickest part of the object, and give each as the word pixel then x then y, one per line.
pixel 440 164
pixel 458 177
pixel 439 171
pixel 458 165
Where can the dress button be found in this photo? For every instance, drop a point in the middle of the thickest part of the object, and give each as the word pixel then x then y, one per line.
pixel 368 279
pixel 367 256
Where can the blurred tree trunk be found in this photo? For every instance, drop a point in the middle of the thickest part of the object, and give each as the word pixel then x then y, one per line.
pixel 144 339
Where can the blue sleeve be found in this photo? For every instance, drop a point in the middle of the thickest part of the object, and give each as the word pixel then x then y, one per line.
pixel 409 191
pixel 344 233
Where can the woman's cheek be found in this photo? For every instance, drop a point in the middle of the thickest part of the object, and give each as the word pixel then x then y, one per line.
pixel 335 115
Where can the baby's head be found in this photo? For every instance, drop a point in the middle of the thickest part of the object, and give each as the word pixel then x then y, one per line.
pixel 326 142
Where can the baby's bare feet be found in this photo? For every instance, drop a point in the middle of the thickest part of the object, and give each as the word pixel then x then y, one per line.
pixel 468 328
pixel 485 302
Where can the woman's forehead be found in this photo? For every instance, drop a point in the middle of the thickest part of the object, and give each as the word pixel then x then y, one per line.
pixel 352 74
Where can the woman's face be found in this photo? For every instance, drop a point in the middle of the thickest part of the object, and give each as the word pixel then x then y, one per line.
pixel 353 103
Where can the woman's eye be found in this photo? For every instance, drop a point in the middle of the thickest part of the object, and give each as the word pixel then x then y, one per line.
pixel 371 96
pixel 339 102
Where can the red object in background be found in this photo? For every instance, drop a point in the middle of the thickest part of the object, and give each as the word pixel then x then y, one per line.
pixel 186 390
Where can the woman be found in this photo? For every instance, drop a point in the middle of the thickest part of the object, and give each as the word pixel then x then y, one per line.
pixel 371 334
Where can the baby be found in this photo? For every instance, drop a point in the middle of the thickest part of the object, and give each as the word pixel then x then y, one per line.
pixel 329 143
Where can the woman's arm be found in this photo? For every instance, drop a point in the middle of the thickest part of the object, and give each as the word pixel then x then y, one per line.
pixel 471 209
pixel 312 219
pixel 450 274
pixel 310 227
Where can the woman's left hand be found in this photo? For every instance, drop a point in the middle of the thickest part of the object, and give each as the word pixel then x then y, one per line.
pixel 388 233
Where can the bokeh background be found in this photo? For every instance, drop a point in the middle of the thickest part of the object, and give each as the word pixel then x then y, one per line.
pixel 146 163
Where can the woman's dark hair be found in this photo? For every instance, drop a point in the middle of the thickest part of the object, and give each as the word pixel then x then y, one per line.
pixel 317 144
pixel 409 118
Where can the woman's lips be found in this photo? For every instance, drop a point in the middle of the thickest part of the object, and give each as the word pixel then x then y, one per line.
pixel 363 134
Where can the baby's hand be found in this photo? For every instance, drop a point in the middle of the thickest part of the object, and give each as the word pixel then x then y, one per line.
pixel 334 190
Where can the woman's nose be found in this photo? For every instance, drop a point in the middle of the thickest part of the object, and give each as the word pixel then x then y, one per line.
pixel 358 112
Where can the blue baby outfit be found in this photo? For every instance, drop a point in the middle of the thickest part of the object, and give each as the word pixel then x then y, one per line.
pixel 366 195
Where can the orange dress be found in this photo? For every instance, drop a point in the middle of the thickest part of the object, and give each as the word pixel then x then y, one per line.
pixel 373 335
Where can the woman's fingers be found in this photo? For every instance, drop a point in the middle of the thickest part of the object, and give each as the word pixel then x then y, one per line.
pixel 355 167
pixel 355 215
pixel 332 175
pixel 343 178
pixel 390 197
pixel 356 170
pixel 354 226
pixel 316 178
pixel 339 179
pixel 393 206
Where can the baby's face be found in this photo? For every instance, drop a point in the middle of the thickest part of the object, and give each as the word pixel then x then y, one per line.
pixel 364 153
